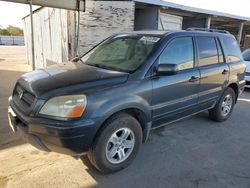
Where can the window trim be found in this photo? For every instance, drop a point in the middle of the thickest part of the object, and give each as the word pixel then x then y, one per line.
pixel 219 46
pixel 197 47
pixel 194 52
pixel 218 42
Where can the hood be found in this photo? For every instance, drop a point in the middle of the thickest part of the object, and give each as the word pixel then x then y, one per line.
pixel 71 74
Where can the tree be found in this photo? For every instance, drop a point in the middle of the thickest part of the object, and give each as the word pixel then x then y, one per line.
pixel 11 30
pixel 4 32
pixel 15 31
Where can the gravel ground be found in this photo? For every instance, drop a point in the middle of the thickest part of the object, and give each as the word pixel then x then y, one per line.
pixel 194 152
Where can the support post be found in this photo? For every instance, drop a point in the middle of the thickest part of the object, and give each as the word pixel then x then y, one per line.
pixel 32 36
pixel 240 32
pixel 208 22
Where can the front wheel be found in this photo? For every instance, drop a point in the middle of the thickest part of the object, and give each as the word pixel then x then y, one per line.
pixel 117 144
pixel 224 107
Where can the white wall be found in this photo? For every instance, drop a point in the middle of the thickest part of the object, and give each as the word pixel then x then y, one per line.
pixel 169 22
pixel 103 19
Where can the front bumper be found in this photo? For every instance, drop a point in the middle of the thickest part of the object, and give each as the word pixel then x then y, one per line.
pixel 72 138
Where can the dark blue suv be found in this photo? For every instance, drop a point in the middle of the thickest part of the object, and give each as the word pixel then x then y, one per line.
pixel 105 103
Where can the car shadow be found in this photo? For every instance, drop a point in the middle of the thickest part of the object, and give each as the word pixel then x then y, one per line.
pixel 7 83
pixel 247 90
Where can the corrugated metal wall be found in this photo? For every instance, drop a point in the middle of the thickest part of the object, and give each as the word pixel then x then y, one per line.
pixel 50 36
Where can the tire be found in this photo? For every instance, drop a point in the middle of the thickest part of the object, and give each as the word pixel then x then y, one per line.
pixel 218 113
pixel 107 156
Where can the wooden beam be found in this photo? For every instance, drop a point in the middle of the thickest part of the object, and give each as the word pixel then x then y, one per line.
pixel 208 22
pixel 32 36
pixel 177 12
pixel 240 32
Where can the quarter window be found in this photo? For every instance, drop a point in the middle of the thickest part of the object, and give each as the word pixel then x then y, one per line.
pixel 232 49
pixel 207 51
pixel 180 51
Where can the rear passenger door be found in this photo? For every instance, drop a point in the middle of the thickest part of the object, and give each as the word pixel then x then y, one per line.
pixel 213 69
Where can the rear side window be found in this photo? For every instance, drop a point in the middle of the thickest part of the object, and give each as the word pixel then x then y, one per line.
pixel 232 48
pixel 207 51
pixel 180 51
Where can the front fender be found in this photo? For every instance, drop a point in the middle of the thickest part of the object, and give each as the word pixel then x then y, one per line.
pixel 119 103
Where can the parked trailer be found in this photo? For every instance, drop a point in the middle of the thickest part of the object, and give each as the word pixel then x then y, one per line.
pixel 11 40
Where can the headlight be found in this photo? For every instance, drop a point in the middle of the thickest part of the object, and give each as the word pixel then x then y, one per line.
pixel 70 106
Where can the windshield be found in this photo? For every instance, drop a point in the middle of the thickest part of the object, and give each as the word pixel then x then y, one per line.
pixel 126 53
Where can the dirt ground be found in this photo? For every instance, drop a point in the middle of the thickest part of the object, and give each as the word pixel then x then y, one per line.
pixel 195 152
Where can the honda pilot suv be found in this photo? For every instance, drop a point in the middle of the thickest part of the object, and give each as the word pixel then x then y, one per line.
pixel 104 103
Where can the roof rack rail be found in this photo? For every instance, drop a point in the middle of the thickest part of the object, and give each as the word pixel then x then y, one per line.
pixel 208 30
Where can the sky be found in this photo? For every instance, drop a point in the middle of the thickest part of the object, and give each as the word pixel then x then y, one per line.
pixel 12 13
pixel 239 7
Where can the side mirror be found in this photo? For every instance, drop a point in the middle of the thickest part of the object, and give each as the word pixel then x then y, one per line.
pixel 246 58
pixel 167 69
pixel 246 55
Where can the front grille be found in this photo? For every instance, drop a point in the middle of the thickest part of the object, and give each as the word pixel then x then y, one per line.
pixel 23 97
pixel 247 73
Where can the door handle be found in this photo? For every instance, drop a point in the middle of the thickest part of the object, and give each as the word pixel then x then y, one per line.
pixel 194 79
pixel 225 71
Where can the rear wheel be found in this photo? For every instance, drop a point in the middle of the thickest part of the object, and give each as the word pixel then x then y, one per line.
pixel 117 144
pixel 224 107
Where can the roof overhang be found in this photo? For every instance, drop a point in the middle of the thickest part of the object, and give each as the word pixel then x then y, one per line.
pixel 63 4
pixel 164 3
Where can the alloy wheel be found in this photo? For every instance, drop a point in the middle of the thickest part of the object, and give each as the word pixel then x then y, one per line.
pixel 120 145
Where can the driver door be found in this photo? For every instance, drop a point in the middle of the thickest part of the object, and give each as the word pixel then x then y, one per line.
pixel 175 96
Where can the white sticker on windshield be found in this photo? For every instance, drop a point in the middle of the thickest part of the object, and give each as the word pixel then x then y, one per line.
pixel 150 39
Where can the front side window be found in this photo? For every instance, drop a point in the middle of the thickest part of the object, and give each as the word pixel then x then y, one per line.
pixel 207 51
pixel 125 53
pixel 232 49
pixel 180 51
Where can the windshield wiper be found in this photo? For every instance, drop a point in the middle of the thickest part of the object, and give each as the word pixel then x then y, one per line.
pixel 106 67
pixel 99 66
